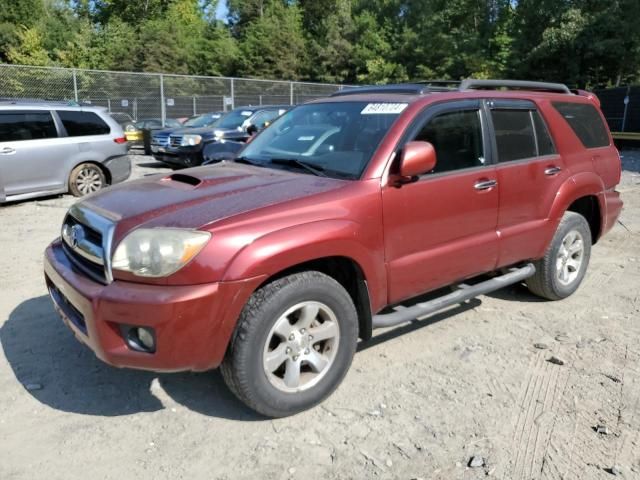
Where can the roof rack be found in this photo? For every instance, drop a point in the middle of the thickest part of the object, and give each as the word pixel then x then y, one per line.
pixel 472 84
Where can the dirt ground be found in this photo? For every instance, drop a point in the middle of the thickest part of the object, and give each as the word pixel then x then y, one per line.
pixel 419 402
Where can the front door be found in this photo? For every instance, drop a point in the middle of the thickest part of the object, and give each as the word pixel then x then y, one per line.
pixel 442 227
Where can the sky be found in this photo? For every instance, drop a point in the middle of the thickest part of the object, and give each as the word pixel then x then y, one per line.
pixel 222 10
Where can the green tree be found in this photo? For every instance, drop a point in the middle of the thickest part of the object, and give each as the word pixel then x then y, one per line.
pixel 273 44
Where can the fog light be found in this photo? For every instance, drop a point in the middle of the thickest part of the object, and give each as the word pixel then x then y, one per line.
pixel 146 338
pixel 141 339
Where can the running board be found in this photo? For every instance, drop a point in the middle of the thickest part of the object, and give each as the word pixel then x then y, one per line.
pixel 465 292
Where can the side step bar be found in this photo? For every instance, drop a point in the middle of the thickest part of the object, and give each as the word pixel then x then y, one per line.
pixel 466 292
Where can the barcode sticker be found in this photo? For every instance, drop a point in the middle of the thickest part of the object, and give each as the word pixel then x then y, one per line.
pixel 383 108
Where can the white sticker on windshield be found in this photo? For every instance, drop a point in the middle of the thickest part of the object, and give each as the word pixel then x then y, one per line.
pixel 246 114
pixel 307 138
pixel 383 108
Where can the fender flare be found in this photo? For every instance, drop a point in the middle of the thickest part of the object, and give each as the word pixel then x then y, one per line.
pixel 291 246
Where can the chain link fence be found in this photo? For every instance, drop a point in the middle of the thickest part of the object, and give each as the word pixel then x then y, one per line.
pixel 150 95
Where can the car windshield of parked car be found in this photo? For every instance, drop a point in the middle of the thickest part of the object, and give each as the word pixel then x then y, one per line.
pixel 234 119
pixel 336 139
pixel 201 121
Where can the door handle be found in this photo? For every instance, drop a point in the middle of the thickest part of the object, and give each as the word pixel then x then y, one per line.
pixel 485 184
pixel 7 151
pixel 552 171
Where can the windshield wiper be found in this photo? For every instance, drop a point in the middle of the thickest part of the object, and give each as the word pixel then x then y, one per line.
pixel 316 170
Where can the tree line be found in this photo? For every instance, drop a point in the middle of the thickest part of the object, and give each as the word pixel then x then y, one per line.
pixel 585 43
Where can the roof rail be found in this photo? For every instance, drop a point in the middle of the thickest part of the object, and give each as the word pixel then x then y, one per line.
pixel 401 88
pixel 472 84
pixel 36 101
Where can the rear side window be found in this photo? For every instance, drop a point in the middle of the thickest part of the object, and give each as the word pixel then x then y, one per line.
pixel 80 124
pixel 586 123
pixel 520 134
pixel 15 126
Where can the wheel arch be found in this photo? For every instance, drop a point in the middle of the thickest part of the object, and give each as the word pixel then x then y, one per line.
pixel 102 167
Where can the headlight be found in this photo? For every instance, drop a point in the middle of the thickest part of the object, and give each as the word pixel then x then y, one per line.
pixel 190 140
pixel 130 128
pixel 158 252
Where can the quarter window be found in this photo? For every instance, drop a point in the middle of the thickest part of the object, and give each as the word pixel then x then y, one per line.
pixel 80 124
pixel 457 139
pixel 586 123
pixel 16 126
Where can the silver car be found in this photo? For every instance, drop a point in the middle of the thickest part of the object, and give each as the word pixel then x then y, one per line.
pixel 50 148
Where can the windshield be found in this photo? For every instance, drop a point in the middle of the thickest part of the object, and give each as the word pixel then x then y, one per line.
pixel 337 139
pixel 234 119
pixel 202 121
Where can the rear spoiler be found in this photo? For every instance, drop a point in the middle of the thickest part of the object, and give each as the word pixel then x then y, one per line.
pixel 590 95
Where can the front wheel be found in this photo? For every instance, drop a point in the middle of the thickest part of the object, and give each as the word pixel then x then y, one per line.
pixel 293 344
pixel 560 272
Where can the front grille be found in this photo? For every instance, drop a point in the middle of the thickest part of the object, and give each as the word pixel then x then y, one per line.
pixel 86 236
pixel 160 140
pixel 175 140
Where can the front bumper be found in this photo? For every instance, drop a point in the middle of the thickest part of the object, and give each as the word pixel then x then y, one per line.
pixel 186 158
pixel 192 324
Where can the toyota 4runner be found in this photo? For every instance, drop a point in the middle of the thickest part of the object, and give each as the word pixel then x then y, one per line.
pixel 329 223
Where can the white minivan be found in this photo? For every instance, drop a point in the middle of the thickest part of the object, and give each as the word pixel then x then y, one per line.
pixel 49 148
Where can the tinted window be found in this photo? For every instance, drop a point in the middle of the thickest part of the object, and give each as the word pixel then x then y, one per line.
pixel 26 126
pixel 515 137
pixel 263 117
pixel 586 123
pixel 457 139
pixel 79 124
pixel 545 143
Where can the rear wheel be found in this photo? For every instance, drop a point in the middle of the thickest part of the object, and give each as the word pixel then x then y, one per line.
pixel 86 178
pixel 293 344
pixel 560 272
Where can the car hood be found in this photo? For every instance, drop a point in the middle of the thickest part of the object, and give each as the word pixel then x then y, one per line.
pixel 200 196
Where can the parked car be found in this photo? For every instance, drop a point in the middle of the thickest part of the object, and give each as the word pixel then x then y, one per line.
pixel 133 132
pixel 202 120
pixel 122 118
pixel 335 221
pixel 184 147
pixel 48 148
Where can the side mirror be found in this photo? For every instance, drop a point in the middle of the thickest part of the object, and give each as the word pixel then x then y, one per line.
pixel 252 129
pixel 417 158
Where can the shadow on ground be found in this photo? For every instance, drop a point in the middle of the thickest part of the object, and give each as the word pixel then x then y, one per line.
pixel 41 350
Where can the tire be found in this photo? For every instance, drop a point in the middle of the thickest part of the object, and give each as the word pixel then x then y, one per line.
pixel 564 265
pixel 86 178
pixel 271 343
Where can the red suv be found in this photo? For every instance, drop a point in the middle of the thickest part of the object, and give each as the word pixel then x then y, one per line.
pixel 273 265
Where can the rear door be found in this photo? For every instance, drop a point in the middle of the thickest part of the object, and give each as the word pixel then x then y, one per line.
pixel 31 152
pixel 442 227
pixel 529 171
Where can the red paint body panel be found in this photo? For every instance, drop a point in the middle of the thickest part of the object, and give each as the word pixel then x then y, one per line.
pixel 406 239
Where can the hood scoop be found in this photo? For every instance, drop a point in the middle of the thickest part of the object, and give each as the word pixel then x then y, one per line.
pixel 184 179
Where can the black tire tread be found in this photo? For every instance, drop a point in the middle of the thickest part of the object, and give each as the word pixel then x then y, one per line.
pixel 234 368
pixel 539 284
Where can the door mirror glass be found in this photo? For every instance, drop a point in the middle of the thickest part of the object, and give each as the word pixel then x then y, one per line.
pixel 417 158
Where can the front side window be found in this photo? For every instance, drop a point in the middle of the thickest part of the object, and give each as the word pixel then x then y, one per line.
pixel 262 118
pixel 457 139
pixel 586 123
pixel 80 124
pixel 16 126
pixel 234 119
pixel 336 139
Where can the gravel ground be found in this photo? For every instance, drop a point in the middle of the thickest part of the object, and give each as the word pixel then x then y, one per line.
pixel 468 386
